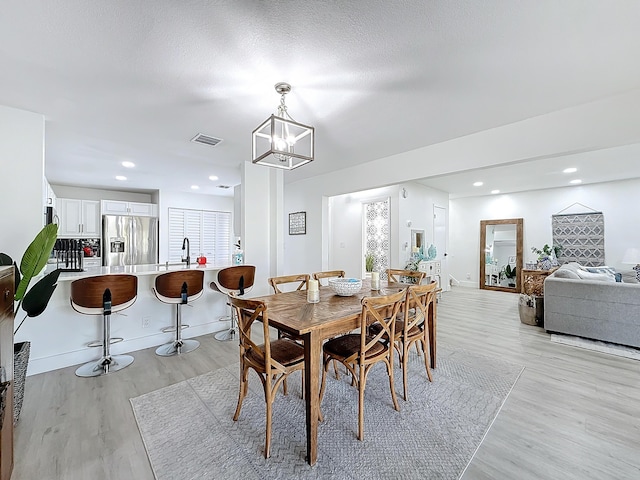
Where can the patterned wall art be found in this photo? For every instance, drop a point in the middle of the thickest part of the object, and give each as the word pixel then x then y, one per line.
pixel 581 236
pixel 298 223
pixel 377 228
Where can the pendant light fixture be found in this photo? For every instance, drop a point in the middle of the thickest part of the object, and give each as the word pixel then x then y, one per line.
pixel 280 141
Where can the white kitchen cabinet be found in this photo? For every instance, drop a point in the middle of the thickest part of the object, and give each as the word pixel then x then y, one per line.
pixel 78 218
pixel 118 207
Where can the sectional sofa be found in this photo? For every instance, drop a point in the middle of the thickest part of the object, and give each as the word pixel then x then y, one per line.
pixel 592 305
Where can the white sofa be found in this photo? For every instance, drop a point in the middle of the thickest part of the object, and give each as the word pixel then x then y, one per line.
pixel 592 306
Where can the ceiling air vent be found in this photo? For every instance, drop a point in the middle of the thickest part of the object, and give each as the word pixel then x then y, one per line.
pixel 224 186
pixel 206 139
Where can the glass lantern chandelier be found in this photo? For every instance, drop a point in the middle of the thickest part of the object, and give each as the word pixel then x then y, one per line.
pixel 280 141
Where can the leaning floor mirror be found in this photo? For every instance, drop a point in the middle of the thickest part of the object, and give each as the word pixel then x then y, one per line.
pixel 501 254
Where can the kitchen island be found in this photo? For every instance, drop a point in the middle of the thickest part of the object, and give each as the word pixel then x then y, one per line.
pixel 59 336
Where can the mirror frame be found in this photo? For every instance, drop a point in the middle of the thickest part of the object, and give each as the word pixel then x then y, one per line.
pixel 518 222
pixel 417 239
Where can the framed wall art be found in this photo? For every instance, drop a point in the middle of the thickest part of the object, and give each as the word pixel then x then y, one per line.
pixel 298 223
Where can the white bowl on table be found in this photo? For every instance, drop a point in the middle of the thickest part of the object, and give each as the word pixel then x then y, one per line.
pixel 345 286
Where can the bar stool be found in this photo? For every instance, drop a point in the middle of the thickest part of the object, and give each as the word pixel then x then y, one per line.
pixel 178 288
pixel 234 281
pixel 103 295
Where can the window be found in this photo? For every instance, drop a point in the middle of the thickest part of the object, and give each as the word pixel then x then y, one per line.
pixel 209 234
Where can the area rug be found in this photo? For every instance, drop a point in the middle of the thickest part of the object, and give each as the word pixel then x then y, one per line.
pixel 597 345
pixel 188 431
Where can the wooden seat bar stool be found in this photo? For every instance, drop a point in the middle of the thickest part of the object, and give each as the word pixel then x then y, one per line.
pixel 104 295
pixel 178 288
pixel 235 281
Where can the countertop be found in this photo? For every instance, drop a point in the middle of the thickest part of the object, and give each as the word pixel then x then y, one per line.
pixel 139 270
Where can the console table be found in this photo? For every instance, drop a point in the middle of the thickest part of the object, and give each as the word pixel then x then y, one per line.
pixel 532 281
pixel 433 270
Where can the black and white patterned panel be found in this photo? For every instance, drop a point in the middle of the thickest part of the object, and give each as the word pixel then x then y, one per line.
pixel 581 237
pixel 377 235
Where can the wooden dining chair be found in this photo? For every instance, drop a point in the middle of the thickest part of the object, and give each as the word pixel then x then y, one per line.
pixel 404 276
pixel 289 283
pixel 358 352
pixel 413 329
pixel 273 361
pixel 328 274
pixel 293 282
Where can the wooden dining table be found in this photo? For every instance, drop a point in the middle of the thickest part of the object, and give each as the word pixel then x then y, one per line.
pixel 314 322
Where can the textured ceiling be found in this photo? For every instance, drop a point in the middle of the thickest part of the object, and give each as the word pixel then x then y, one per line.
pixel 124 80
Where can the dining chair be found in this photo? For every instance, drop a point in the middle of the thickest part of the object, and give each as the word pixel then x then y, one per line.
pixel 395 275
pixel 328 274
pixel 413 328
pixel 273 361
pixel 289 283
pixel 300 282
pixel 358 352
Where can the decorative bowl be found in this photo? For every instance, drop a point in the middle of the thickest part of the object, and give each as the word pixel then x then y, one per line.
pixel 345 286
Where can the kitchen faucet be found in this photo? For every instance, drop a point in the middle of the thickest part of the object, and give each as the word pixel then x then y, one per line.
pixel 185 245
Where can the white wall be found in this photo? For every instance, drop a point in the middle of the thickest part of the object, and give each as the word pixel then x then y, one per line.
pixel 616 200
pixel 22 191
pixel 193 201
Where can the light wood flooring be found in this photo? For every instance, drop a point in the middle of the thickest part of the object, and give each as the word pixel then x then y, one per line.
pixel 573 414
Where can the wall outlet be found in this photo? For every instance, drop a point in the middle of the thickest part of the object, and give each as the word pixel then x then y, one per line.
pixel 468 276
pixel 146 322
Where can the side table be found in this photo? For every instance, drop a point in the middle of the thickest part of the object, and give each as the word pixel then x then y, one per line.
pixel 531 303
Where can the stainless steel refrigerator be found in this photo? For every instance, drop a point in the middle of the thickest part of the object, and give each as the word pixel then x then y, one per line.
pixel 129 240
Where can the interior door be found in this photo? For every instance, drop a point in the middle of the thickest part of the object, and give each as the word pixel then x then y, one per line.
pixel 440 242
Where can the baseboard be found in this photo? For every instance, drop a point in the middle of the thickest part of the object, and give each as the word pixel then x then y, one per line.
pixel 78 357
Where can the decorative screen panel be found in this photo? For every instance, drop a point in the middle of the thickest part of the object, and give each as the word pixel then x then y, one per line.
pixel 377 228
pixel 581 236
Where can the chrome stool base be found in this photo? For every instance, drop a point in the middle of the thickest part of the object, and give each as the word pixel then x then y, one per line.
pixel 226 335
pixel 104 366
pixel 177 347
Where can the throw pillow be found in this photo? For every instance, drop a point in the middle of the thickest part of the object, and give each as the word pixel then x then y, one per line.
pixel 603 277
pixel 605 269
pixel 629 277
pixel 566 273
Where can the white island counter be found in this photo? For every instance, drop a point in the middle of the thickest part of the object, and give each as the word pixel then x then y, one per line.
pixel 59 336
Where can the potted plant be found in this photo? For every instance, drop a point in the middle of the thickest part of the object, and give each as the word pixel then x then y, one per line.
pixel 368 262
pixel 33 301
pixel 547 256
pixel 510 274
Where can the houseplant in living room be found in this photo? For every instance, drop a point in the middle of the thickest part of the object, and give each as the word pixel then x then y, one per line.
pixel 33 301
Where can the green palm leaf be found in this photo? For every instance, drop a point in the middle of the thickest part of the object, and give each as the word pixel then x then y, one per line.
pixel 35 257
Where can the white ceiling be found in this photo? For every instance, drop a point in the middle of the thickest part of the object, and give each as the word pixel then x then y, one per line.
pixel 123 80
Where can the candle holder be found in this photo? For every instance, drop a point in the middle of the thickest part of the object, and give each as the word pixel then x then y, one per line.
pixel 313 294
pixel 375 281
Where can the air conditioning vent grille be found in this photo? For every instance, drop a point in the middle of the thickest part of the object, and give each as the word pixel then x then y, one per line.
pixel 206 139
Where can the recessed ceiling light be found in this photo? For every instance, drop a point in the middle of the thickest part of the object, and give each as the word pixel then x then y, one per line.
pixel 570 170
pixel 478 184
pixel 194 187
pixel 121 177
pixel 495 191
pixel 213 178
pixel 128 164
pixel 576 181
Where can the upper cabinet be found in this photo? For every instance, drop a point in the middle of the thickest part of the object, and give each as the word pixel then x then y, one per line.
pixel 78 218
pixel 118 207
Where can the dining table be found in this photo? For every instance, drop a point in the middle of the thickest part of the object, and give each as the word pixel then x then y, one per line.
pixel 315 322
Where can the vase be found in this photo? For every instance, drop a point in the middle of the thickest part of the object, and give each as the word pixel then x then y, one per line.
pixel 21 352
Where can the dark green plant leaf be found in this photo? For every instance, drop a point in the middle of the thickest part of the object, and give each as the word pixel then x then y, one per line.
pixel 36 256
pixel 37 298
pixel 5 259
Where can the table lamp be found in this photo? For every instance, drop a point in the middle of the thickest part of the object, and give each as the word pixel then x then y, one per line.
pixel 632 257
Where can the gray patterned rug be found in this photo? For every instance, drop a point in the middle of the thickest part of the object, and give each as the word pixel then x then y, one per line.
pixel 188 431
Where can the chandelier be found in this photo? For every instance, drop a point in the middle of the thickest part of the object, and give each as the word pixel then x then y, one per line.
pixel 280 141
